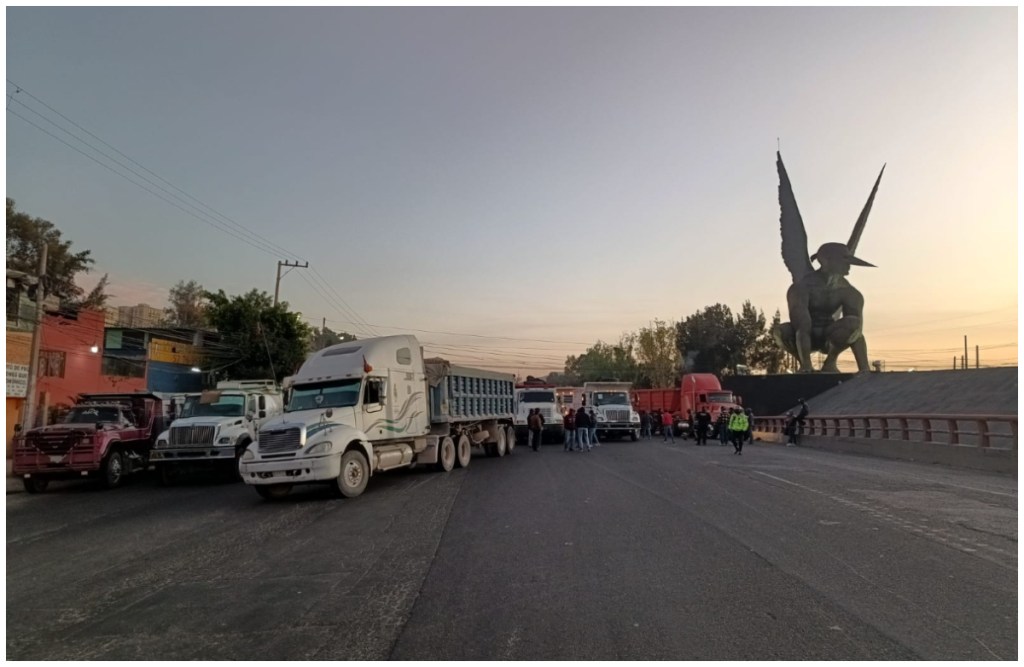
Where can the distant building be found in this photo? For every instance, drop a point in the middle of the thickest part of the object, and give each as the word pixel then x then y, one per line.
pixel 142 315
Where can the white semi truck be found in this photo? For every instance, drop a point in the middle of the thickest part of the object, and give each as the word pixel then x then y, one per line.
pixel 215 427
pixel 612 408
pixel 538 397
pixel 363 407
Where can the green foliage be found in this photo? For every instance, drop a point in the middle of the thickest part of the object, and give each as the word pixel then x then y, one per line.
pixel 562 379
pixel 767 354
pixel 707 340
pixel 318 339
pixel 271 340
pixel 657 354
pixel 605 362
pixel 26 236
pixel 188 305
pixel 97 298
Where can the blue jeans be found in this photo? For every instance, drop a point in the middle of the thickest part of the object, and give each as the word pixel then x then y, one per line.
pixel 667 432
pixel 646 431
pixel 569 439
pixel 593 436
pixel 582 439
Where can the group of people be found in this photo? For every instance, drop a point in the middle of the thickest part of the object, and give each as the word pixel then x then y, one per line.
pixel 580 430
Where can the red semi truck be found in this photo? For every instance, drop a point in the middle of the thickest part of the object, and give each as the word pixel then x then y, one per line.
pixel 696 391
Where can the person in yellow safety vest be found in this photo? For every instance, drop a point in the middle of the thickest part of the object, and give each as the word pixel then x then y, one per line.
pixel 738 429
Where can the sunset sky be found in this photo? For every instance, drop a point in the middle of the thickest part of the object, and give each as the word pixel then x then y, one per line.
pixel 512 185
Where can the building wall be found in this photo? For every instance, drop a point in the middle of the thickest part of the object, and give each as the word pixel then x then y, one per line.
pixel 142 315
pixel 19 350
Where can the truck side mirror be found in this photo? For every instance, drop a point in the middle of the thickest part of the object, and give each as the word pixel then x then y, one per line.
pixel 262 414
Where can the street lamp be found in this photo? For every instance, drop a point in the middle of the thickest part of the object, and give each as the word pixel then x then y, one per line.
pixel 94 349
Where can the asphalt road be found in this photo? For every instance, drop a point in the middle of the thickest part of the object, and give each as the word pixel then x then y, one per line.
pixel 634 551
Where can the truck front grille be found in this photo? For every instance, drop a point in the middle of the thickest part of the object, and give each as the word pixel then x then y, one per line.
pixel 286 440
pixel 617 415
pixel 200 436
pixel 54 443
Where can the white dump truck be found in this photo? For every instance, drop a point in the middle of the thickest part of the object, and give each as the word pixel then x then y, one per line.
pixel 538 397
pixel 215 427
pixel 612 408
pixel 366 406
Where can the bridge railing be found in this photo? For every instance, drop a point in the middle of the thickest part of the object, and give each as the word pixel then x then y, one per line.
pixel 995 431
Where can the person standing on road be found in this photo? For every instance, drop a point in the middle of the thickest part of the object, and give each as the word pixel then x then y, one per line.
pixel 569 423
pixel 645 425
pixel 593 428
pixel 582 431
pixel 723 427
pixel 750 425
pixel 790 430
pixel 800 419
pixel 536 423
pixel 666 427
pixel 738 429
pixel 703 424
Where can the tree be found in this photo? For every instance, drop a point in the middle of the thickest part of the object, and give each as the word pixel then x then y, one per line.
pixel 707 339
pixel 26 236
pixel 750 328
pixel 188 305
pixel 561 379
pixel 767 353
pixel 657 353
pixel 97 298
pixel 271 340
pixel 318 339
pixel 604 362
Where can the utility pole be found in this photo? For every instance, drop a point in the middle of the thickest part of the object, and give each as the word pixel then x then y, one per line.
pixel 977 357
pixel 277 283
pixel 965 366
pixel 29 416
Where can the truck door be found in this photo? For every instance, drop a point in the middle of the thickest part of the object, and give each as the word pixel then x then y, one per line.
pixel 407 404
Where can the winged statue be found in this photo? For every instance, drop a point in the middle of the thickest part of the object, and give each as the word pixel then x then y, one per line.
pixel 826 312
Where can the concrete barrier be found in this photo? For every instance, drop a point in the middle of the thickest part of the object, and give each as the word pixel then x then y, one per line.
pixel 989 459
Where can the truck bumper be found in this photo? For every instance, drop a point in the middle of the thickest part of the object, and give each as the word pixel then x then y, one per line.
pixel 211 453
pixel 291 471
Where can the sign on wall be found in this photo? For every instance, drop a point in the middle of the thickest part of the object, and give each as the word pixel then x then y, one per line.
pixel 17 380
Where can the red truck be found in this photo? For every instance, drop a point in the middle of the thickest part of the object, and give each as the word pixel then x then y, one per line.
pixel 696 391
pixel 104 435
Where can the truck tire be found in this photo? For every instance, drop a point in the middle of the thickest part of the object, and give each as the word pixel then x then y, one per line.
pixel 355 473
pixel 233 473
pixel 273 491
pixel 634 436
pixel 500 445
pixel 463 451
pixel 112 470
pixel 35 484
pixel 510 439
pixel 446 454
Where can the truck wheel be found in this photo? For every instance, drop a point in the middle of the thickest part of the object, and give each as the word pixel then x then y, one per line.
pixel 273 491
pixel 634 436
pixel 510 439
pixel 233 474
pixel 463 451
pixel 35 484
pixel 355 473
pixel 168 472
pixel 113 470
pixel 446 454
pixel 500 447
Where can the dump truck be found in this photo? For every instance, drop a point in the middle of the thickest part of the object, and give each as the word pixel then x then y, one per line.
pixel 215 427
pixel 104 436
pixel 363 407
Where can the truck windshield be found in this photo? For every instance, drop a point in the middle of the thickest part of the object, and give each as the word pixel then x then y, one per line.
pixel 336 394
pixel 537 397
pixel 225 406
pixel 611 398
pixel 720 397
pixel 92 415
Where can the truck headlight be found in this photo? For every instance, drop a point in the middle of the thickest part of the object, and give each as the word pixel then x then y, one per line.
pixel 320 448
pixel 635 418
pixel 160 442
pixel 247 455
pixel 224 441
pixel 602 418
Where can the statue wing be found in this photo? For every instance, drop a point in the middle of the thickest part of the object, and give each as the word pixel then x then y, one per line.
pixel 858 228
pixel 794 236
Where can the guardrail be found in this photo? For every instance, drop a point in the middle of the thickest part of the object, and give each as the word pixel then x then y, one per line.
pixel 983 431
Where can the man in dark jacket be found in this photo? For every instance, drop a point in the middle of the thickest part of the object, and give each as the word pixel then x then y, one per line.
pixel 569 423
pixel 702 426
pixel 583 431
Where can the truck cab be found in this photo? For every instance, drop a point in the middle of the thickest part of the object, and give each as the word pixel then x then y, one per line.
pixel 541 397
pixel 215 427
pixel 613 409
pixel 104 436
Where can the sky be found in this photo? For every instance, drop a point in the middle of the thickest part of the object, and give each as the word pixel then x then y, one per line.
pixel 513 184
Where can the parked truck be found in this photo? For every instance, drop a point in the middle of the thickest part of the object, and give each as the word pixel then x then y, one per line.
pixel 613 412
pixel 104 436
pixel 539 396
pixel 367 406
pixel 215 427
pixel 696 391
